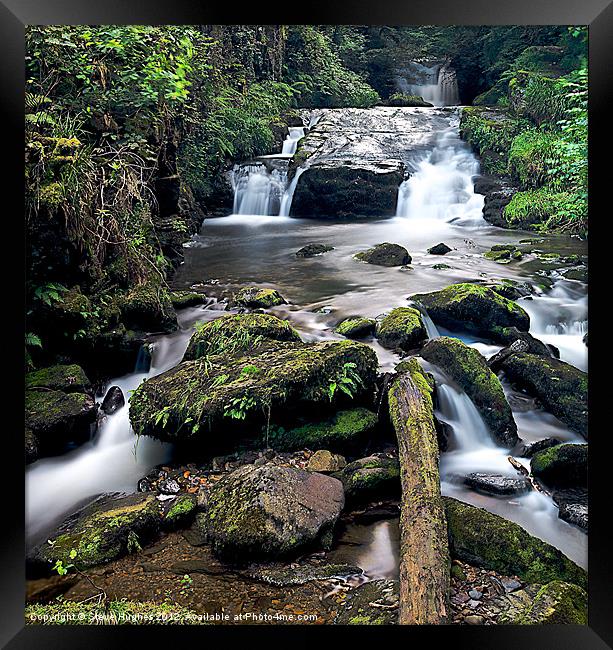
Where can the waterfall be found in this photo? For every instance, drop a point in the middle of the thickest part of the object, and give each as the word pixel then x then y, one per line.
pixel 436 83
pixel 441 187
pixel 291 142
pixel 286 201
pixel 257 190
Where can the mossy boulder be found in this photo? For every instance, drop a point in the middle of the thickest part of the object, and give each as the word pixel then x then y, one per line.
pixel 556 603
pixel 180 511
pixel 149 308
pixel 276 383
pixel 561 466
pixel 326 462
pixel 406 101
pixel 237 332
pixel 385 254
pixel 256 298
pixel 402 328
pixel 486 540
pixel 100 533
pixel 372 603
pixel 272 511
pixel 183 299
pixel 469 369
pixel 55 417
pixel 439 249
pixel 67 378
pixel 345 431
pixel 473 307
pixel 371 477
pixel 356 328
pixel 561 388
pixel 311 250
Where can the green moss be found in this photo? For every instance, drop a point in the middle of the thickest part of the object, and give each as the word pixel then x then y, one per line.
pixel 531 157
pixel 51 195
pixel 355 328
pixel 557 603
pixel 457 572
pixel 181 511
pixel 371 477
pixel 183 299
pixel 148 307
pixel 237 332
pixel 401 328
pixel 51 411
pixel 67 378
pixel 401 99
pixel 561 465
pixel 536 207
pixel 345 430
pixel 258 298
pixel 497 256
pixel 487 540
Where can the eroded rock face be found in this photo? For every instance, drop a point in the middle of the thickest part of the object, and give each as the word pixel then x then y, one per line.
pixel 271 511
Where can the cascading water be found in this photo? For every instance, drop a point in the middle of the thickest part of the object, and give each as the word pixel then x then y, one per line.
pixel 257 190
pixel 436 83
pixel 286 201
pixel 291 142
pixel 441 189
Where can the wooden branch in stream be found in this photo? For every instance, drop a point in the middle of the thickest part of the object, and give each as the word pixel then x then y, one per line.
pixel 424 548
pixel 522 470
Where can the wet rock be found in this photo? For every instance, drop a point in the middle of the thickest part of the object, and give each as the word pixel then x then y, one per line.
pixel 475 595
pixel 288 576
pixel 31 446
pixel 441 267
pixel 65 378
pixel 325 462
pixel 402 328
pixel 371 477
pixel 113 400
pixel 356 328
pixel 510 585
pixel 373 603
pixel 439 249
pixel 585 339
pixel 311 250
pixel 497 484
pixel 467 367
pixel 556 603
pixel 574 513
pixel 148 308
pixel 275 383
pixel 385 254
pixel 255 297
pixel 169 486
pixel 144 485
pixel 103 531
pixel 487 540
pixel 272 511
pixel 183 299
pixel 237 332
pixel 561 388
pixel 474 619
pixel 180 511
pixel 561 466
pixel 498 194
pixel 512 289
pixel 345 431
pixel 511 335
pixel 528 449
pixel 474 308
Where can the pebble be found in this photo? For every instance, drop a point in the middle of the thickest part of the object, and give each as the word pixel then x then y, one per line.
pixel 473 619
pixel 169 486
pixel 475 595
pixel 510 585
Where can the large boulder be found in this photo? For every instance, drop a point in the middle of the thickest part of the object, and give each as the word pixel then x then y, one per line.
pixel 557 603
pixel 486 540
pixel 67 378
pixel 561 388
pixel 469 369
pixel 101 532
pixel 561 466
pixel 272 511
pixel 372 477
pixel 273 384
pixel 473 307
pixel 259 298
pixel 385 254
pixel 345 431
pixel 402 328
pixel 235 332
pixel 356 328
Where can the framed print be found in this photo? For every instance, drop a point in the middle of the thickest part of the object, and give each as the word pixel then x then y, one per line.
pixel 305 310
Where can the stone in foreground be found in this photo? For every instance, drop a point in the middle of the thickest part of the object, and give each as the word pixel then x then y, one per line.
pixel 402 328
pixel 557 603
pixel 561 466
pixel 272 511
pixel 311 250
pixel 497 484
pixel 67 378
pixel 371 477
pixel 385 254
pixel 356 328
pixel 257 298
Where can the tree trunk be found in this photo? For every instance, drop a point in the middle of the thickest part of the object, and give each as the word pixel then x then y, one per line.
pixel 424 548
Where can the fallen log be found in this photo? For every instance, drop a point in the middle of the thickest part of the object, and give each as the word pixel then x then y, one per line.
pixel 522 470
pixel 424 548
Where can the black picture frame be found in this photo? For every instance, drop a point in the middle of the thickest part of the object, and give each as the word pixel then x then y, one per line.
pixel 598 14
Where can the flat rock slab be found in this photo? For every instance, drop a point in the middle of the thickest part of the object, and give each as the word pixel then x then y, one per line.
pixel 497 484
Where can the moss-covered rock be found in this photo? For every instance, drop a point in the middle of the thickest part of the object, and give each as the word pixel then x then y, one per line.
pixel 312 250
pixel 561 388
pixel 273 384
pixel 272 511
pixel 103 531
pixel 180 511
pixel 356 328
pixel 67 378
pixel 373 603
pixel 404 100
pixel 497 256
pixel 237 332
pixel 183 299
pixel 256 298
pixel 483 539
pixel 55 417
pixel 325 462
pixel 148 308
pixel 557 603
pixel 561 465
pixel 371 477
pixel 345 431
pixel 385 254
pixel 468 368
pixel 402 328
pixel 473 307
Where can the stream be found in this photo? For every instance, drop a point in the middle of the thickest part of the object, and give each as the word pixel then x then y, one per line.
pixel 256 246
